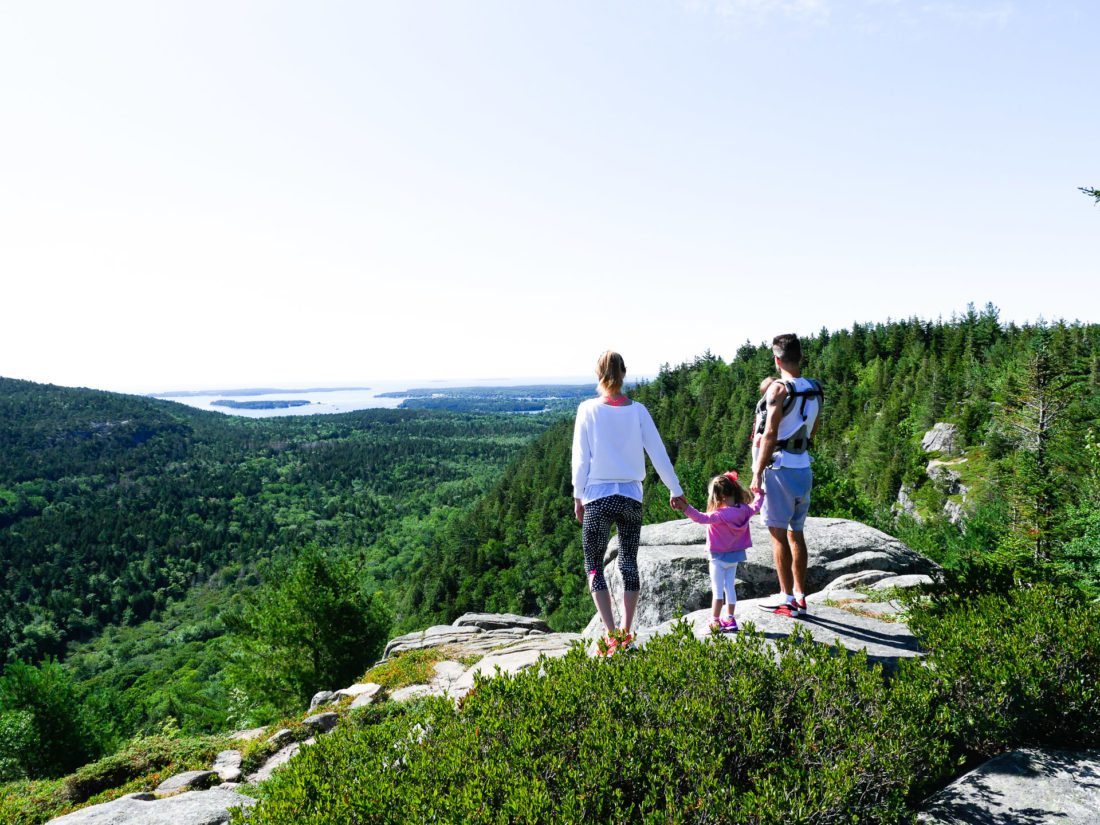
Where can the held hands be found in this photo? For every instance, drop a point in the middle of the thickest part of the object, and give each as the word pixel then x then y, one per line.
pixel 678 503
pixel 754 485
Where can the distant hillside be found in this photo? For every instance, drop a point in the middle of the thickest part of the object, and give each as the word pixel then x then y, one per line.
pixel 886 384
pixel 112 506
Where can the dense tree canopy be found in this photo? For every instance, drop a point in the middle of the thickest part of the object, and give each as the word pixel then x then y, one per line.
pixel 886 384
pixel 135 534
pixel 113 506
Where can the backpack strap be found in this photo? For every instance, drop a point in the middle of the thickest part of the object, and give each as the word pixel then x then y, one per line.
pixel 799 442
pixel 793 395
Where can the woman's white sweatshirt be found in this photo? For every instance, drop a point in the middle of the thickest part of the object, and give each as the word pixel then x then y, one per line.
pixel 608 445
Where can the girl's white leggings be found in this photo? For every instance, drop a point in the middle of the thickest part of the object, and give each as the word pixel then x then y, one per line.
pixel 722 574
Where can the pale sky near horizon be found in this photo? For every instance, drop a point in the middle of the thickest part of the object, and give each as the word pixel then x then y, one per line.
pixel 199 194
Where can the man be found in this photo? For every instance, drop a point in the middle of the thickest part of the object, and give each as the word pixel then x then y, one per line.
pixel 782 468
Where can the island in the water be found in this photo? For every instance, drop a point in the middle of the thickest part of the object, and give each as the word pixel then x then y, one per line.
pixel 274 404
pixel 531 398
pixel 252 391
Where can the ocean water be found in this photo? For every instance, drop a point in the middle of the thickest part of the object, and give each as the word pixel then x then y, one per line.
pixel 339 400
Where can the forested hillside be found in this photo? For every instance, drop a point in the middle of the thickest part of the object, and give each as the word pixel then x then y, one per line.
pixel 113 506
pixel 1025 399
pixel 134 533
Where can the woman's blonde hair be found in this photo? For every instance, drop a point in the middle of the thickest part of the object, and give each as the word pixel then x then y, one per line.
pixel 725 489
pixel 610 371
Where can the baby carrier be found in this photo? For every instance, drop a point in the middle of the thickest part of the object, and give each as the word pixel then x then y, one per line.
pixel 799 442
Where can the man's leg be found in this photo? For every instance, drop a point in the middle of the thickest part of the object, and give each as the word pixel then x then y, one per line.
pixel 781 549
pixel 801 483
pixel 798 553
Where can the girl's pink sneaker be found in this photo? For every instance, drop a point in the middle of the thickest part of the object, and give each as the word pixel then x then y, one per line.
pixel 729 625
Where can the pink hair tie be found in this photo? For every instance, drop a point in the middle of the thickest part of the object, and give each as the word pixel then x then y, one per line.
pixel 731 475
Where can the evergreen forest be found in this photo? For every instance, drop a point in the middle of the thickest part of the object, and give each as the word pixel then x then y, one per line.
pixel 1026 400
pixel 132 531
pixel 164 566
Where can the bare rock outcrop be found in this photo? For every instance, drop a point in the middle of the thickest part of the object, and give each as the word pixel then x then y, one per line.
pixel 885 642
pixel 1023 786
pixel 672 562
pixel 942 438
pixel 190 808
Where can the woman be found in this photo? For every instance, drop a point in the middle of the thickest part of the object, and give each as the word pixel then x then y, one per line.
pixel 610 439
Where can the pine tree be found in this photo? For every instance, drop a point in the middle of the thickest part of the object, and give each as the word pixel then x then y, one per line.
pixel 309 627
pixel 1038 416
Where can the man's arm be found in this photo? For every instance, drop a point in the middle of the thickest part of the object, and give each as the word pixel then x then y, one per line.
pixel 777 392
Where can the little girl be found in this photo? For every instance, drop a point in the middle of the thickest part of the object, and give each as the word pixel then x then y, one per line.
pixel 729 507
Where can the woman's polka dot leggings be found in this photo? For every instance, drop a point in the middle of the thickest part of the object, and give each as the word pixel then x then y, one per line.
pixel 626 514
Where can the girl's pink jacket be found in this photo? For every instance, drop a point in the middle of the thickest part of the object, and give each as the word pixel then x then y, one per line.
pixel 727 527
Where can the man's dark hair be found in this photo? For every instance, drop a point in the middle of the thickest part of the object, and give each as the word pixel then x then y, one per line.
pixel 787 348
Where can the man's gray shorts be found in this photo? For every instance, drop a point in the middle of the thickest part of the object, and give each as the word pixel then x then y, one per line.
pixel 787 497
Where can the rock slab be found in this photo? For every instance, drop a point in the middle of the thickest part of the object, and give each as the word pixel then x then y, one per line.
pixel 192 780
pixel 227 765
pixel 498 621
pixel 322 697
pixel 886 643
pixel 190 808
pixel 322 722
pixel 943 437
pixel 276 760
pixel 674 569
pixel 1023 787
pixel 471 640
pixel 514 659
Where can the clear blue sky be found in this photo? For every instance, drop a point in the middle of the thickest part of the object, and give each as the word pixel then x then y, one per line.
pixel 204 194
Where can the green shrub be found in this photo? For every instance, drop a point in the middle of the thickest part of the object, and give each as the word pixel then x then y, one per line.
pixel 683 731
pixel 140 766
pixel 18 737
pixel 31 801
pixel 45 730
pixel 1015 669
pixel 141 758
pixel 257 751
pixel 414 667
pixel 378 712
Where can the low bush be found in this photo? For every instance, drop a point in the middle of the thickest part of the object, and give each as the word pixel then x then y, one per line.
pixel 414 667
pixel 45 728
pixel 142 758
pixel 31 801
pixel 682 732
pixel 1014 669
pixel 140 766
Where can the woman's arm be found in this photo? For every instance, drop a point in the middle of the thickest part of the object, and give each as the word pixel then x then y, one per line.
pixel 651 440
pixel 582 461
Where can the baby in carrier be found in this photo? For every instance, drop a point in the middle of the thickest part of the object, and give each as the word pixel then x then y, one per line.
pixel 761 417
